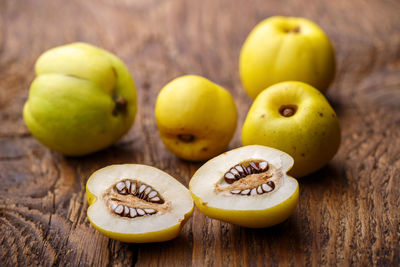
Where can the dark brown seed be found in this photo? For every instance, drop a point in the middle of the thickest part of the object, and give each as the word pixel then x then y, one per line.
pixel 133 188
pixel 150 211
pixel 120 186
pixel 119 209
pixel 235 172
pixel 128 186
pixel 240 170
pixel 132 212
pixel 152 194
pixel 259 190
pixel 156 200
pixel 140 212
pixel 254 166
pixel 244 170
pixel 263 166
pixel 249 170
pixel 113 206
pixel 229 178
pixel 126 211
pixel 142 188
pixel 271 184
pixel 245 192
pixel 147 191
pixel 266 188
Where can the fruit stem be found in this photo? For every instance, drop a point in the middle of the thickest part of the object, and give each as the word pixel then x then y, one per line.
pixel 120 105
pixel 293 30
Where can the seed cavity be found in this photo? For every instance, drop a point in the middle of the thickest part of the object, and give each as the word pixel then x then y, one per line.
pixel 240 171
pixel 132 198
pixel 261 189
pixel 250 178
pixel 144 192
pixel 126 211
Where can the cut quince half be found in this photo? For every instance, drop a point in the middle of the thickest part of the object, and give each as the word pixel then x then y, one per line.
pixel 137 203
pixel 247 186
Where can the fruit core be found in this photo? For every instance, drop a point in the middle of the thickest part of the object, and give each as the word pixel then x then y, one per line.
pixel 287 110
pixel 131 198
pixel 253 177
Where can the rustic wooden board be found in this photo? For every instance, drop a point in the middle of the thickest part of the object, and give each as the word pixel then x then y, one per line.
pixel 348 212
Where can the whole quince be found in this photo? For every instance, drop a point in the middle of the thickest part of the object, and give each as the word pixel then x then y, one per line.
pixel 296 118
pixel 286 49
pixel 82 100
pixel 196 118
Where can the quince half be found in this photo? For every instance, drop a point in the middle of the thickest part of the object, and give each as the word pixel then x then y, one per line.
pixel 247 186
pixel 137 203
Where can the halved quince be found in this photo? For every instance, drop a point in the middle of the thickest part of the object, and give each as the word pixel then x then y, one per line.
pixel 247 186
pixel 137 203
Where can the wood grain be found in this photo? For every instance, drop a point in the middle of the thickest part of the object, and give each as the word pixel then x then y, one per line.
pixel 348 213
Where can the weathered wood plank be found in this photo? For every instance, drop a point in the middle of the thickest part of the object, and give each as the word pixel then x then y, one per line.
pixel 348 212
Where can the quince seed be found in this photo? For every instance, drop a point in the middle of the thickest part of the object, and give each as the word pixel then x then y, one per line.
pixel 132 198
pixel 254 177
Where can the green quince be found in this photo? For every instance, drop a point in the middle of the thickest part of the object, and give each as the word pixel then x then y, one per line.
pixel 82 100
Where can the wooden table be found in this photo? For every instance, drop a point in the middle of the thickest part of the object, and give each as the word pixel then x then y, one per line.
pixel 348 212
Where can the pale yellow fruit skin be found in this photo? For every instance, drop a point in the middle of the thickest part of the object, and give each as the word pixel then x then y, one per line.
pixel 251 218
pixel 194 105
pixel 311 136
pixel 150 237
pixel 71 100
pixel 270 55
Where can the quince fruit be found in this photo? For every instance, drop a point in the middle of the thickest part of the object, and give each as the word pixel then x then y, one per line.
pixel 196 118
pixel 82 100
pixel 247 186
pixel 296 118
pixel 137 203
pixel 286 49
